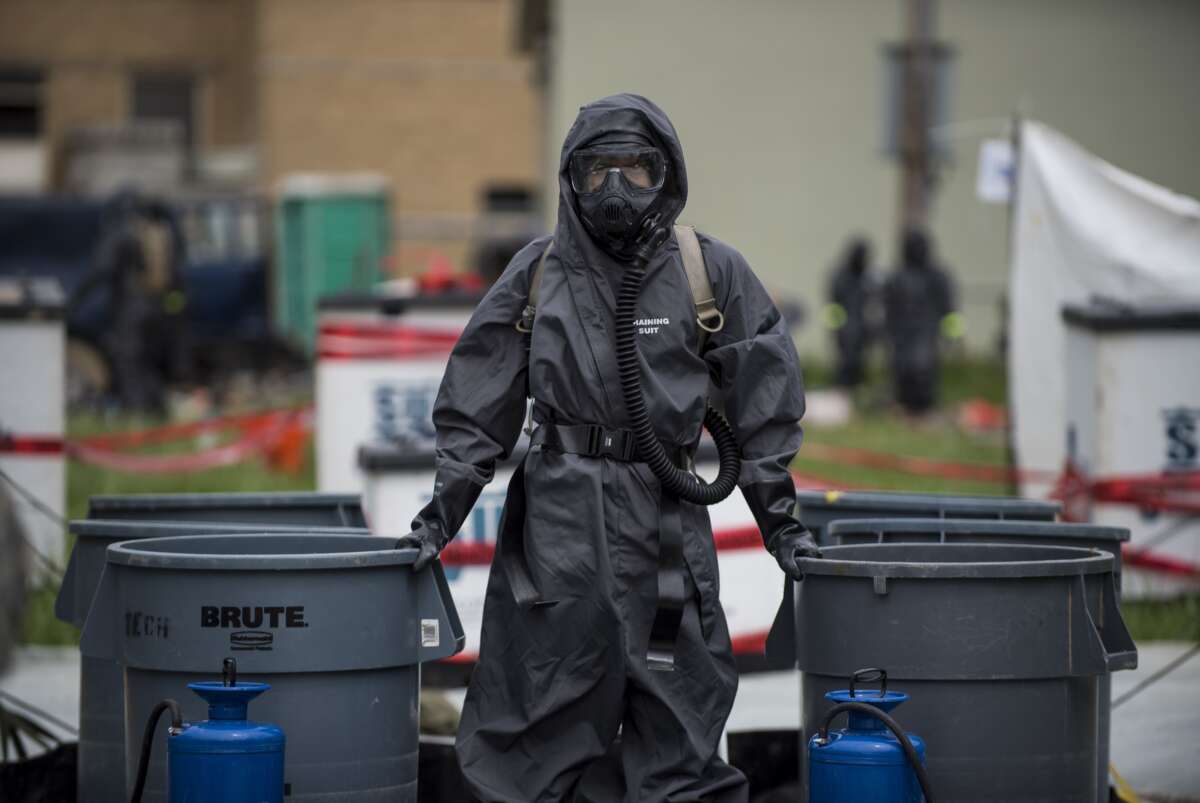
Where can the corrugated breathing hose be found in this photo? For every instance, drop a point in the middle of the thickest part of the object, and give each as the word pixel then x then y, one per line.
pixel 909 751
pixel 681 483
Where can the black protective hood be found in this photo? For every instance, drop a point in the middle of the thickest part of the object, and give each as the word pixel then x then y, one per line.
pixel 616 113
pixel 917 250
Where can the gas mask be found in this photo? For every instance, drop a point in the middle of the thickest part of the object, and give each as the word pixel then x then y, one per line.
pixel 617 187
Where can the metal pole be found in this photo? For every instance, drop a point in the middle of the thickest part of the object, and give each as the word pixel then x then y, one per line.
pixel 1010 433
pixel 915 158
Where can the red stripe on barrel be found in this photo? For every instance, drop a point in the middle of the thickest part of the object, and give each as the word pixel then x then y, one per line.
pixel 31 444
pixel 372 341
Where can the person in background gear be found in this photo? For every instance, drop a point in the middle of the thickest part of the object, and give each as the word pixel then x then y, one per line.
pixel 557 681
pixel 852 291
pixel 917 297
pixel 138 263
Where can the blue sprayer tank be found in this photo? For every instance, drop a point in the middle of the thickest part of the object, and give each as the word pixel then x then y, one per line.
pixel 227 758
pixel 863 762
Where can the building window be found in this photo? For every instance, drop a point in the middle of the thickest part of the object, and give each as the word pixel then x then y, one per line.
pixel 166 96
pixel 20 103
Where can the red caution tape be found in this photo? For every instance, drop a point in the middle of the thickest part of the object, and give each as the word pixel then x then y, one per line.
pixel 478 553
pixel 468 553
pixel 171 433
pixel 729 539
pixel 1176 492
pixel 744 644
pixel 945 469
pixel 750 643
pixel 1165 493
pixel 258 434
pixel 1074 491
pixel 1153 561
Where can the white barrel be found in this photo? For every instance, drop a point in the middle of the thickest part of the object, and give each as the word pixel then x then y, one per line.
pixel 32 402
pixel 380 360
pixel 1133 411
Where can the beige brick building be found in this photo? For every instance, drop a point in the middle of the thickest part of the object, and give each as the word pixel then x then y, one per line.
pixel 432 94
pixel 91 53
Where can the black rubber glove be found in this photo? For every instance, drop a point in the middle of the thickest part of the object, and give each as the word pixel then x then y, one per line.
pixel 426 539
pixel 454 494
pixel 788 547
pixel 774 507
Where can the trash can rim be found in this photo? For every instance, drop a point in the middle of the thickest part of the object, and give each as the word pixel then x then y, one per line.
pixel 234 499
pixel 124 528
pixel 148 553
pixel 897 500
pixel 1005 527
pixel 1059 561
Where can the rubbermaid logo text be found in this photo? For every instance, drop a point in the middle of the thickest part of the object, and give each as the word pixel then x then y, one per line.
pixel 251 640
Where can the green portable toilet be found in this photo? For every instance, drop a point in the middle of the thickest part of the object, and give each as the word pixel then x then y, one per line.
pixel 332 232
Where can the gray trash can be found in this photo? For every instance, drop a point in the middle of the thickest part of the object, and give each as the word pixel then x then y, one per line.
pixel 101 763
pixel 1001 648
pixel 338 625
pixel 960 531
pixel 303 508
pixel 817 509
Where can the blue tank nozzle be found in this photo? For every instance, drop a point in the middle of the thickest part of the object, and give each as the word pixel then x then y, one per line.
pixel 228 702
pixel 885 701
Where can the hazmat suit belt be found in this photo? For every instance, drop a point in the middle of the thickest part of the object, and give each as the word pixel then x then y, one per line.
pixel 594 440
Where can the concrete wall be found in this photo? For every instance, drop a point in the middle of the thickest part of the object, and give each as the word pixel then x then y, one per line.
pixel 779 105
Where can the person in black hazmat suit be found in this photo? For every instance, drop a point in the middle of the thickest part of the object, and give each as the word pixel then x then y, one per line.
pixel 559 677
pixel 917 297
pixel 852 290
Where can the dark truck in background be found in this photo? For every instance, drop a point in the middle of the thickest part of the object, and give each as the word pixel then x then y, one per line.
pixel 161 292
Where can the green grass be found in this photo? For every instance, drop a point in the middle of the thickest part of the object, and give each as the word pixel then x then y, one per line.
pixel 964 379
pixel 879 427
pixel 1175 620
pixel 85 481
pixel 40 626
pixel 961 379
pixel 876 428
pixel 892 434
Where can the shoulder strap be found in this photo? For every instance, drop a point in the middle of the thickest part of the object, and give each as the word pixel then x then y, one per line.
pixel 708 317
pixel 527 315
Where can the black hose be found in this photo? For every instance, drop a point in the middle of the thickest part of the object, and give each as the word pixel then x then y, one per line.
pixel 893 726
pixel 148 743
pixel 681 483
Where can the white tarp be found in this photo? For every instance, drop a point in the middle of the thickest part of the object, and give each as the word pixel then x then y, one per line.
pixel 1082 228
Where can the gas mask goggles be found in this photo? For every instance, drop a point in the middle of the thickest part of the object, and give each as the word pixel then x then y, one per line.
pixel 617 187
